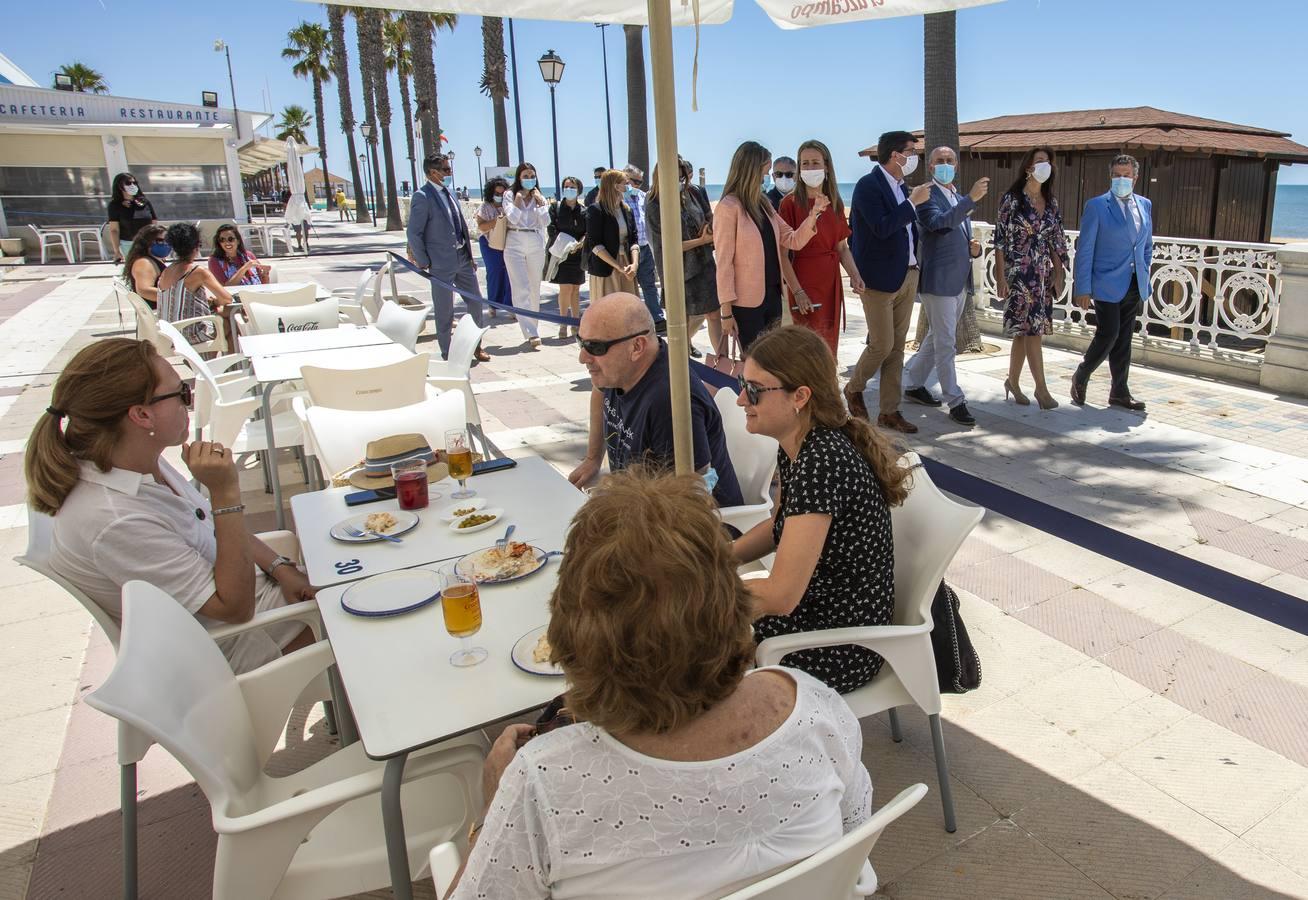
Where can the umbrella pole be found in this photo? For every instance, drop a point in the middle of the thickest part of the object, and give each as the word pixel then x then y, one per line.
pixel 674 283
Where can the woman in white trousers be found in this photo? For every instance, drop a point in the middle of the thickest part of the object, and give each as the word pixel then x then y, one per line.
pixel 524 247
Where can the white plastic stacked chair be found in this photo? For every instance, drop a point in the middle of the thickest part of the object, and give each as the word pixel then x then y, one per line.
pixel 454 372
pixel 341 436
pixel 928 530
pixel 401 325
pixel 52 240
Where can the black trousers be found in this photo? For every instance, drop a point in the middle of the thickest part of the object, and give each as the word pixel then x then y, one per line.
pixel 754 320
pixel 1115 324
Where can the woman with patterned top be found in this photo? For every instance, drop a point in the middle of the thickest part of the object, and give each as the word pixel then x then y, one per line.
pixel 1031 264
pixel 231 263
pixel 688 775
pixel 835 564
pixel 188 289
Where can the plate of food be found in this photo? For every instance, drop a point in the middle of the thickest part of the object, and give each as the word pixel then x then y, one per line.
pixel 478 521
pixel 532 653
pixel 373 525
pixel 496 565
pixel 461 509
pixel 392 593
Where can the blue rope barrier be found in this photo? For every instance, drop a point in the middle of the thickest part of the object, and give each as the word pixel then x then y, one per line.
pixel 467 297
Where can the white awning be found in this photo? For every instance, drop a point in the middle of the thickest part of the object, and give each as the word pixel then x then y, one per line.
pixel 261 154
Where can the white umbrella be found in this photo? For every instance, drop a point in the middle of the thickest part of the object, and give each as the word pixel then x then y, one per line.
pixel 660 16
pixel 297 207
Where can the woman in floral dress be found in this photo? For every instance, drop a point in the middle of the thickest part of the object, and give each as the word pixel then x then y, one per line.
pixel 1031 266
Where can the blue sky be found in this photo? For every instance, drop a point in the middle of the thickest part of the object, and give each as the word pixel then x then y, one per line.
pixel 842 84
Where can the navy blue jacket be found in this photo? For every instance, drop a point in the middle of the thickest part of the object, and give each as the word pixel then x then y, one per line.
pixel 879 241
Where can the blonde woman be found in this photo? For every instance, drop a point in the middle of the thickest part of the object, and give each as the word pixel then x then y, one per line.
pixel 611 237
pixel 749 238
pixel 524 248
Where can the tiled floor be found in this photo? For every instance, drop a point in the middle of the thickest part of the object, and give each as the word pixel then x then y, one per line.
pixel 1130 738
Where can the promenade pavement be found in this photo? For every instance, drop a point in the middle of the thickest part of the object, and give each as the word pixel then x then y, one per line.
pixel 1132 737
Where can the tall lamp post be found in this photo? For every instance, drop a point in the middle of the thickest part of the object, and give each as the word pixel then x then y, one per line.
pixel 551 69
pixel 366 129
pixel 476 151
pixel 517 107
pixel 608 116
pixel 450 157
pixel 221 46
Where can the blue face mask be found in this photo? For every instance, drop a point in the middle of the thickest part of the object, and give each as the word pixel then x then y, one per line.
pixel 528 184
pixel 498 198
pixel 943 173
pixel 448 181
pixel 160 251
pixel 569 193
pixel 1122 187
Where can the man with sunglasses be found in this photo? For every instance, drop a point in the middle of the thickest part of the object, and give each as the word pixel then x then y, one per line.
pixel 631 401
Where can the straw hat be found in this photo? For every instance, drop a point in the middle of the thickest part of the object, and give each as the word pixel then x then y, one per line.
pixel 381 453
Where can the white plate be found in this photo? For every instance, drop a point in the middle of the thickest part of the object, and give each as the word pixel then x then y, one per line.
pixel 405 521
pixel 497 513
pixel 522 657
pixel 468 565
pixel 447 512
pixel 392 593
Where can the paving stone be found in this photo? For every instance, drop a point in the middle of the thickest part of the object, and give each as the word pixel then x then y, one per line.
pixel 1010 583
pixel 1180 668
pixel 1087 622
pixel 1239 872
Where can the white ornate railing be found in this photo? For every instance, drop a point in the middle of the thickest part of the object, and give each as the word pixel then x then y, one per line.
pixel 1223 295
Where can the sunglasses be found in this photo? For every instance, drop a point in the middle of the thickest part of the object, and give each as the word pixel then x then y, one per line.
pixel 596 347
pixel 227 239
pixel 183 393
pixel 752 391
pixel 783 174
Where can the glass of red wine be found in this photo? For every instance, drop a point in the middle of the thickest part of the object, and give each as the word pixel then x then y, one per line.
pixel 411 483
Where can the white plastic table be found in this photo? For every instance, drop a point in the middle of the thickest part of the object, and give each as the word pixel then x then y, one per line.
pixel 532 494
pixel 281 343
pixel 402 690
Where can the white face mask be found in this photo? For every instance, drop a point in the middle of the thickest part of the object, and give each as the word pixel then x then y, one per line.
pixel 910 165
pixel 131 190
pixel 1041 172
pixel 813 177
pixel 785 185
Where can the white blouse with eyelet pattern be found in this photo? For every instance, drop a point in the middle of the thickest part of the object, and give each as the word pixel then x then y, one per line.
pixel 580 815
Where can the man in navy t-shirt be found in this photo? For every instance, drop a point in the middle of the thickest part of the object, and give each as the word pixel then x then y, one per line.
pixel 631 401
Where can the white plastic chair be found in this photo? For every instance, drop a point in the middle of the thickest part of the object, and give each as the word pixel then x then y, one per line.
pixel 840 871
pixel 297 295
pixel 278 231
pixel 147 324
pixel 314 834
pixel 262 318
pixel 379 387
pixel 401 325
pixel 91 236
pixel 252 235
pixel 357 293
pixel 133 744
pixel 386 276
pixel 928 530
pixel 754 458
pixel 453 373
pixel 52 240
pixel 341 436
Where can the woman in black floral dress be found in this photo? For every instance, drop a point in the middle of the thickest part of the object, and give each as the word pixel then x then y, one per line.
pixel 835 564
pixel 1030 267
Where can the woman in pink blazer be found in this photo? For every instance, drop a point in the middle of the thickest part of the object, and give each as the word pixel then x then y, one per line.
pixel 748 240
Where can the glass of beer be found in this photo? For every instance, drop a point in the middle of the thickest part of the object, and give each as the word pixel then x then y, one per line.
pixel 461 607
pixel 458 455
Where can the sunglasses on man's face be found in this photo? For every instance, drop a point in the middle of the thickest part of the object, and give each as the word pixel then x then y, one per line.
pixel 597 347
pixel 783 174
pixel 753 391
pixel 183 393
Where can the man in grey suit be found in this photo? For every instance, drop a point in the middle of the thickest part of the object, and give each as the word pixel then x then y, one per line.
pixel 947 251
pixel 439 244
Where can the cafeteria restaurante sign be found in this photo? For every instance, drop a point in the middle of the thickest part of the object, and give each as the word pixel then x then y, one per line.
pixel 34 105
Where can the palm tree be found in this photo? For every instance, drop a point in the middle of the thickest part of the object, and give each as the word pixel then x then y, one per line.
pixel 295 119
pixel 399 59
pixel 310 47
pixel 371 61
pixel 494 83
pixel 340 58
pixel 637 117
pixel 422 28
pixel 85 79
pixel 371 26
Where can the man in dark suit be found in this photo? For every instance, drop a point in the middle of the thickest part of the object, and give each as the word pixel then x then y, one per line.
pixel 439 243
pixel 884 241
pixel 1113 254
pixel 593 194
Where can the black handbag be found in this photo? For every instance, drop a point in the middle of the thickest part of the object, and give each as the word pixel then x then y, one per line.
pixel 957 666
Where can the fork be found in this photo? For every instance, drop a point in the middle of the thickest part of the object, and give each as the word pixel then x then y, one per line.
pixel 359 532
pixel 503 542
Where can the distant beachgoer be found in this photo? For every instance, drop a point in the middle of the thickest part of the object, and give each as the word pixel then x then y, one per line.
pixel 343 206
pixel 492 209
pixel 145 262
pixel 568 217
pixel 129 211
pixel 783 181
pixel 820 302
pixel 524 248
pixel 1031 264
pixel 1113 255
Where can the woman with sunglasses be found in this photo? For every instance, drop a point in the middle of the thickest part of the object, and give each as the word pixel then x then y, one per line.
pixel 121 513
pixel 835 563
pixel 231 263
pixel 129 211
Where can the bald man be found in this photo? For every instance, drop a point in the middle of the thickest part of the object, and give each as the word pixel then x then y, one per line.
pixel 631 402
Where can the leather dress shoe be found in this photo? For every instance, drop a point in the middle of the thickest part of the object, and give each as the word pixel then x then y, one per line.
pixel 481 355
pixel 857 407
pixel 921 395
pixel 1078 392
pixel 1127 402
pixel 896 422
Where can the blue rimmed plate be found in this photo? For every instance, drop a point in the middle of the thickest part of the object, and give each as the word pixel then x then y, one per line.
pixel 491 567
pixel 392 593
pixel 524 654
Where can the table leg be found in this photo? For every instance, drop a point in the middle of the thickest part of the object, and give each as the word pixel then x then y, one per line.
pixel 268 431
pixel 345 727
pixel 397 850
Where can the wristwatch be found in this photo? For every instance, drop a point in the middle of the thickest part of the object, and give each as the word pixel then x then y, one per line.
pixel 278 563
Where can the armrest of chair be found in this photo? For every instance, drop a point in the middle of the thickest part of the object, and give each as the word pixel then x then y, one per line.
pixel 352 313
pixel 305 611
pixel 220 365
pixel 219 343
pixel 445 861
pixel 883 639
pixel 272 689
pixel 745 517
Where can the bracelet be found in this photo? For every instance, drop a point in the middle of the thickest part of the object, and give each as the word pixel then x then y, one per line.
pixel 278 563
pixel 223 510
pixel 474 831
pixel 720 316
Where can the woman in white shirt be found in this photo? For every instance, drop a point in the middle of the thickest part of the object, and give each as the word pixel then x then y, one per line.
pixel 94 462
pixel 686 775
pixel 524 247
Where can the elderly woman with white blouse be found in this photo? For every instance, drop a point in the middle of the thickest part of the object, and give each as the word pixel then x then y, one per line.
pixel 524 248
pixel 687 775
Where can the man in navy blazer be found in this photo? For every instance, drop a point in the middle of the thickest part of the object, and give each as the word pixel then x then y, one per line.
pixel 946 271
pixel 1113 254
pixel 884 242
pixel 439 243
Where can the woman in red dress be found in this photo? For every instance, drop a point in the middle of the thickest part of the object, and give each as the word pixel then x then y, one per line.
pixel 820 304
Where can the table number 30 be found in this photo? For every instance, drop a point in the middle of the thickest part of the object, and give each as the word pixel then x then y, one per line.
pixel 348 567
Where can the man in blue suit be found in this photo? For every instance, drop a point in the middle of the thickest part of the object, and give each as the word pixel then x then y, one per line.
pixel 884 242
pixel 439 244
pixel 945 275
pixel 1113 255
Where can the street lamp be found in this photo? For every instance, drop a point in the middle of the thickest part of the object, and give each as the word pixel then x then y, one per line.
pixel 608 116
pixel 450 157
pixel 476 151
pixel 551 69
pixel 221 46
pixel 366 130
